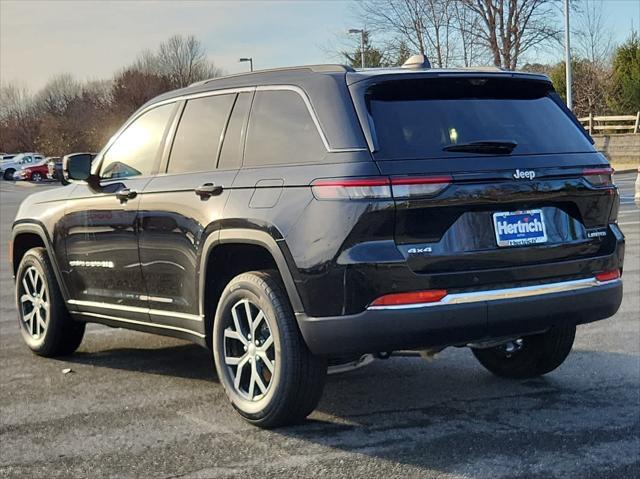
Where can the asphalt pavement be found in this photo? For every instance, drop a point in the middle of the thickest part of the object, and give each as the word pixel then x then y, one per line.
pixel 138 405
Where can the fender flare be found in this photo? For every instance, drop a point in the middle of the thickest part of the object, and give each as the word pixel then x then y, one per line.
pixel 37 228
pixel 253 237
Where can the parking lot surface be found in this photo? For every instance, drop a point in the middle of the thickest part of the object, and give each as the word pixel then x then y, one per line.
pixel 137 405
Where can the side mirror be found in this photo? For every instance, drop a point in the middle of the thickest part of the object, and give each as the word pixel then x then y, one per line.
pixel 77 167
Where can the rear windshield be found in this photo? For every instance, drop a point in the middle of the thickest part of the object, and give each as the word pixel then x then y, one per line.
pixel 420 118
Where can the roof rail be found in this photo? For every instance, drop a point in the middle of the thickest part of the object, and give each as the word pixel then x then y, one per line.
pixel 326 68
pixel 485 68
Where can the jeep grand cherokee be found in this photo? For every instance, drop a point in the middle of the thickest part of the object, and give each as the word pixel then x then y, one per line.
pixel 284 218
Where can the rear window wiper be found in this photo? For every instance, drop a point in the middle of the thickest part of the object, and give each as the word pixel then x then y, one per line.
pixel 495 147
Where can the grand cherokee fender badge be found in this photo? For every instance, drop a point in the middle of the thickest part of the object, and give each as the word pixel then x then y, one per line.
pixel 524 175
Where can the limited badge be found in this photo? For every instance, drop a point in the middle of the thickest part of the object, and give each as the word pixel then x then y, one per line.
pixel 597 233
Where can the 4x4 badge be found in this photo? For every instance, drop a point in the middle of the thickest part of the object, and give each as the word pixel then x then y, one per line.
pixel 524 175
pixel 425 249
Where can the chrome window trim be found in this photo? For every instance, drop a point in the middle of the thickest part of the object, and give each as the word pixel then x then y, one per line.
pixel 142 323
pixel 97 161
pixel 190 96
pixel 311 111
pixel 135 309
pixel 506 293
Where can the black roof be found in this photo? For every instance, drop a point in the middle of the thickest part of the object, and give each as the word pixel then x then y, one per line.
pixel 289 75
pixel 293 75
pixel 321 82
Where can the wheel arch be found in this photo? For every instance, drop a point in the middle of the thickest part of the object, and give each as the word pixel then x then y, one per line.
pixel 27 235
pixel 259 251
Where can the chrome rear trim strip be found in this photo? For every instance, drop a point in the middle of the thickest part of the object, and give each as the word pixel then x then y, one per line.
pixel 135 309
pixel 507 293
pixel 142 323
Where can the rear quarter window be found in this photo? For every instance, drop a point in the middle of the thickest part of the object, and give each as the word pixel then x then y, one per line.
pixel 233 143
pixel 419 118
pixel 281 131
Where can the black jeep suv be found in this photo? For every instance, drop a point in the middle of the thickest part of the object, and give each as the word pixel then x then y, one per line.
pixel 284 218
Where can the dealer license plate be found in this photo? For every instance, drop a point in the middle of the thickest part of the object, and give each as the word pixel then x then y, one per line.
pixel 517 228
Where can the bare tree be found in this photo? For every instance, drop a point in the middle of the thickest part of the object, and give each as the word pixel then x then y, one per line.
pixel 425 26
pixel 147 62
pixel 184 61
pixel 466 23
pixel 100 92
pixel 509 28
pixel 591 84
pixel 57 94
pixel 133 88
pixel 15 101
pixel 374 57
pixel 18 120
pixel 594 38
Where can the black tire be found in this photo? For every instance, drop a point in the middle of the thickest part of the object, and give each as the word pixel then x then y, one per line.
pixel 297 378
pixel 61 335
pixel 536 355
pixel 37 177
pixel 8 174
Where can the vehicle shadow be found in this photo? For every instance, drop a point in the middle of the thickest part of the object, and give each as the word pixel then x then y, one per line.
pixel 452 417
pixel 187 361
pixel 448 416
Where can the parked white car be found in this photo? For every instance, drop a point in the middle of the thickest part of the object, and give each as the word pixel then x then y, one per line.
pixel 9 167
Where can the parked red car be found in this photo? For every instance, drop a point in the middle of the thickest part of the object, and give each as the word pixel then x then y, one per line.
pixel 37 172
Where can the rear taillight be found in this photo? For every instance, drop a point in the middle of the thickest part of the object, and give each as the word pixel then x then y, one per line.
pixel 351 188
pixel 608 275
pixel 598 176
pixel 414 187
pixel 379 188
pixel 407 299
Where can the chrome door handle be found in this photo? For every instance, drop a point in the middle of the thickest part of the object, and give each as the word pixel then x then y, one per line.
pixel 126 194
pixel 208 189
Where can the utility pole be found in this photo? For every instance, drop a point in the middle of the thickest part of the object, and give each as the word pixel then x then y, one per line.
pixel 567 56
pixel 362 48
pixel 248 59
pixel 361 32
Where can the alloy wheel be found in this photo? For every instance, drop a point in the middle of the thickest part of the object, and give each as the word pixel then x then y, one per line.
pixel 36 177
pixel 249 350
pixel 34 303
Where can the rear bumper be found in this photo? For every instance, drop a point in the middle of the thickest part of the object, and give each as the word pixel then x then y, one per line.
pixel 463 318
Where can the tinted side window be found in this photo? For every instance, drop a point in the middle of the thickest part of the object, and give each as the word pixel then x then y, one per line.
pixel 231 153
pixel 136 150
pixel 195 147
pixel 281 131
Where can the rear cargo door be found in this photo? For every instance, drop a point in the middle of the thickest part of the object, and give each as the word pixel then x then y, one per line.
pixel 488 172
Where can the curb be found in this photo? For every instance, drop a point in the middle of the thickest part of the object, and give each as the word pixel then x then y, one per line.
pixel 31 184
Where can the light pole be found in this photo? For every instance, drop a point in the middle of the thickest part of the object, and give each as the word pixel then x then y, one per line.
pixel 361 32
pixel 567 56
pixel 248 59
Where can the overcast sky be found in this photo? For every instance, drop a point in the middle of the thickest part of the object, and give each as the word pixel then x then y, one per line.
pixel 93 39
